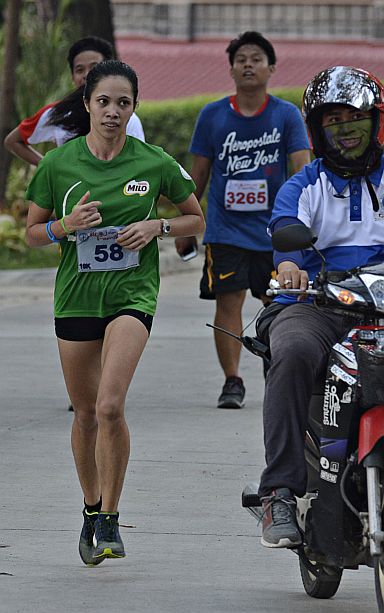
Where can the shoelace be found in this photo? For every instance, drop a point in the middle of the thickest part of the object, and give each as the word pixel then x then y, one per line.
pixel 281 510
pixel 106 528
pixel 231 386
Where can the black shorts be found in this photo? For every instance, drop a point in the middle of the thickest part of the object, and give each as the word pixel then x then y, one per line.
pixel 93 328
pixel 231 269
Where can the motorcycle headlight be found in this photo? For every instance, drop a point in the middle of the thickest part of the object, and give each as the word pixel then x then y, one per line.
pixel 345 296
pixel 375 285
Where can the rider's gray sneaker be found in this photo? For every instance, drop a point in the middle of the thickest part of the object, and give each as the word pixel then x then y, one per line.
pixel 280 527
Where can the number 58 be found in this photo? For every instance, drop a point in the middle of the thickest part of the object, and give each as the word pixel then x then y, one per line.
pixel 113 252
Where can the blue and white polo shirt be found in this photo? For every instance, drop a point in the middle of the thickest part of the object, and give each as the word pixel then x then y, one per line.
pixel 338 211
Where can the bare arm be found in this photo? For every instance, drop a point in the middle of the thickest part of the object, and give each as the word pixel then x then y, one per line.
pixel 201 170
pixel 200 173
pixel 36 235
pixel 83 215
pixel 189 223
pixel 15 144
pixel 299 159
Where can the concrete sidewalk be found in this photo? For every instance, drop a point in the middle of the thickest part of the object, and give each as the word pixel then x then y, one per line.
pixel 190 547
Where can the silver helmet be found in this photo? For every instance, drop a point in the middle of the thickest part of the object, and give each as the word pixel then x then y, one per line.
pixel 348 86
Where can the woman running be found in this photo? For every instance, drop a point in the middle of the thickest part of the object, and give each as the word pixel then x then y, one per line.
pixel 103 189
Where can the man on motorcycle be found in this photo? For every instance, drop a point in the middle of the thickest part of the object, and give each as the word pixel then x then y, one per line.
pixel 340 197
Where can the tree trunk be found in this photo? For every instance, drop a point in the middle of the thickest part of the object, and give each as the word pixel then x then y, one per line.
pixel 93 17
pixel 47 9
pixel 8 84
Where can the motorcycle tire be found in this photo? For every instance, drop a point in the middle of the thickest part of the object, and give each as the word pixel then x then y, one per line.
pixel 379 582
pixel 323 585
pixel 377 504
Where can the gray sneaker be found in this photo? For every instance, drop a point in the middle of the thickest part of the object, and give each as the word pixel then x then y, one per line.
pixel 232 395
pixel 280 527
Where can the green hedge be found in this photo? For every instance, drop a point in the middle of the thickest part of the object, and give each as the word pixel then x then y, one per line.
pixel 169 123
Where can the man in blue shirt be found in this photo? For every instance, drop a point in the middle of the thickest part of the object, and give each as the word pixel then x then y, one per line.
pixel 243 143
pixel 340 196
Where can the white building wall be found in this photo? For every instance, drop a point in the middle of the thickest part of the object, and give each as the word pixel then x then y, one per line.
pixel 186 20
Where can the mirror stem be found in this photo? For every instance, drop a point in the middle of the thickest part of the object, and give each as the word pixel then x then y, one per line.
pixel 322 274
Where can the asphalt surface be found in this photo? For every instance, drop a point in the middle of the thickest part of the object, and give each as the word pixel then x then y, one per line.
pixel 190 546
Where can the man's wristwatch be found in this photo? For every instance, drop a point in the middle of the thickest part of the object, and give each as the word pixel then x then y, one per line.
pixel 165 227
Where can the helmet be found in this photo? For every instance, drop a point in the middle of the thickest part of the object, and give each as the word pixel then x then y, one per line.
pixel 348 86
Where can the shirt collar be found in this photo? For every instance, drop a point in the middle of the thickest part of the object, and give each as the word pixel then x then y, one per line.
pixel 340 183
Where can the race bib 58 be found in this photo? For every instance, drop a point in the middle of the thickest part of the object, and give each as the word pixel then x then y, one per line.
pixel 97 250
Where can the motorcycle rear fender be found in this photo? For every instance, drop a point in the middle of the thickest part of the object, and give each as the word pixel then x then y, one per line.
pixel 371 431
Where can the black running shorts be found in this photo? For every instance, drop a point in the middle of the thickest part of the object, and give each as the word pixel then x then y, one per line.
pixel 231 269
pixel 93 328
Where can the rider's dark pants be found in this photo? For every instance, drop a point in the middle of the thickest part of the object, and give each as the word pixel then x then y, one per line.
pixel 301 337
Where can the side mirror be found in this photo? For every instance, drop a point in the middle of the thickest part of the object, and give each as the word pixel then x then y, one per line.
pixel 293 238
pixel 297 236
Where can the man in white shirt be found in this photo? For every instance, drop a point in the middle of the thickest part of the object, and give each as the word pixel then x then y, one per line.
pixel 82 56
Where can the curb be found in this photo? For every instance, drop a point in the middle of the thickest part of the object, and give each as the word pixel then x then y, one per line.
pixel 30 280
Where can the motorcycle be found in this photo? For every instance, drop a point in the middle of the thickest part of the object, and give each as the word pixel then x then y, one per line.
pixel 341 515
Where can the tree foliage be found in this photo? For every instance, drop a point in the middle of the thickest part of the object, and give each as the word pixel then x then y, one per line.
pixel 170 123
pixel 94 18
pixel 47 29
pixel 42 73
pixel 8 86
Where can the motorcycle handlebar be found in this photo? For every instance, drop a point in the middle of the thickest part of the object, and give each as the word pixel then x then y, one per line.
pixel 294 292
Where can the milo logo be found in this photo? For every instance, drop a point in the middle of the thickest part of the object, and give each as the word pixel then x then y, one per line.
pixel 136 187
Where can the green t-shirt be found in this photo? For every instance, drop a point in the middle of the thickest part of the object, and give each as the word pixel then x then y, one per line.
pixel 128 187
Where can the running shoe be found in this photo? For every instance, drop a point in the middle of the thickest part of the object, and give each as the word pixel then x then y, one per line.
pixel 280 527
pixel 232 395
pixel 86 546
pixel 107 540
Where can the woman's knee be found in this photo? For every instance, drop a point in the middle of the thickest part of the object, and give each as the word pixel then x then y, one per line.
pixel 85 419
pixel 109 409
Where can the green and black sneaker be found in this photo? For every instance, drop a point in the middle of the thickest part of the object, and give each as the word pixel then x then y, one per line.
pixel 86 544
pixel 108 543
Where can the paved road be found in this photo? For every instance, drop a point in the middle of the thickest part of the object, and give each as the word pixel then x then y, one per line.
pixel 190 546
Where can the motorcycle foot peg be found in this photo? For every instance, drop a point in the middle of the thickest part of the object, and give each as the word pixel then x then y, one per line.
pixel 250 496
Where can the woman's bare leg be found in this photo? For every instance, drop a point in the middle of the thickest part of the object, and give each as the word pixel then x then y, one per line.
pixel 81 364
pixel 123 345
